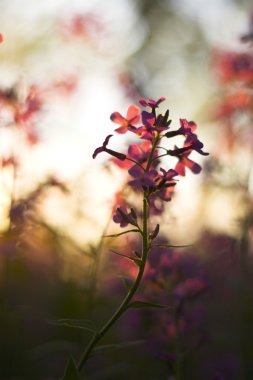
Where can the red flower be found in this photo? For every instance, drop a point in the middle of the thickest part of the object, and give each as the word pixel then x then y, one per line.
pixel 133 117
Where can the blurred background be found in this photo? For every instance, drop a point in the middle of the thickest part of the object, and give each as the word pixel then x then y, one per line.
pixel 64 68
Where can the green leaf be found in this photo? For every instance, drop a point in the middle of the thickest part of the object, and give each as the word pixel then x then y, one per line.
pixel 133 259
pixel 144 304
pixel 173 246
pixel 154 234
pixel 71 372
pixel 121 233
pixel 84 324
pixel 117 346
pixel 137 254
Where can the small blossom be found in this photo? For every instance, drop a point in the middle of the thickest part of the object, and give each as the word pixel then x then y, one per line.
pixel 124 218
pixel 186 129
pixel 162 122
pixel 148 119
pixel 151 103
pixel 104 148
pixel 142 178
pixel 126 123
pixel 193 143
pixel 167 184
pixel 185 162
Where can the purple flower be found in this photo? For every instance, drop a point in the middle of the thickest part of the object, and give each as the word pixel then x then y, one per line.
pixel 192 142
pixel 104 148
pixel 151 103
pixel 148 119
pixel 124 218
pixel 142 178
pixel 166 185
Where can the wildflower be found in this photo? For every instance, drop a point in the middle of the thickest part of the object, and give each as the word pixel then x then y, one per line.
pixel 126 123
pixel 186 129
pixel 167 184
pixel 142 178
pixel 104 148
pixel 185 162
pixel 124 218
pixel 162 122
pixel 151 103
pixel 193 143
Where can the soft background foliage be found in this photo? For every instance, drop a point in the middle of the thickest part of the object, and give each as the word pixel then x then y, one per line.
pixel 64 69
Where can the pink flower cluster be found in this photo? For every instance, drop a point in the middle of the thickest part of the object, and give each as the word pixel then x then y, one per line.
pixel 143 159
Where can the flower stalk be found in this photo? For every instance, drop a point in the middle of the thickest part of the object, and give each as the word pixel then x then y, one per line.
pixel 126 301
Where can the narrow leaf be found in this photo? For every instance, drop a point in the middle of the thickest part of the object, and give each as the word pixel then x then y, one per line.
pixel 117 346
pixel 71 372
pixel 84 324
pixel 137 254
pixel 173 246
pixel 133 259
pixel 144 304
pixel 121 233
pixel 154 234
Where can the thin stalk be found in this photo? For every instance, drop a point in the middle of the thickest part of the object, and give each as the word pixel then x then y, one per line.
pixel 150 159
pixel 125 303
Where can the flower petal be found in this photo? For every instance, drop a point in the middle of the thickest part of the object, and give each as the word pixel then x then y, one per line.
pixel 117 118
pixel 133 114
pixel 148 119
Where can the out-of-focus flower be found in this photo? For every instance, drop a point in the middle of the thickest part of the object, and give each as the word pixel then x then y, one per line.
pixel 231 104
pixel 190 288
pixel 234 66
pixel 82 26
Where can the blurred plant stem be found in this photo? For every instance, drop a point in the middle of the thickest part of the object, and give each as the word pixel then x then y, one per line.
pixel 126 302
pixel 96 255
pixel 246 300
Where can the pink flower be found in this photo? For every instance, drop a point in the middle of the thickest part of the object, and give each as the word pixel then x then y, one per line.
pixel 185 162
pixel 151 103
pixel 126 123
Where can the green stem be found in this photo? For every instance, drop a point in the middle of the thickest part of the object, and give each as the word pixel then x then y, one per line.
pixel 124 305
pixel 152 153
